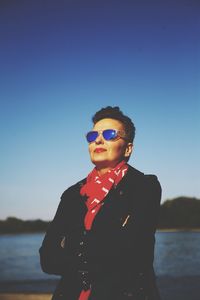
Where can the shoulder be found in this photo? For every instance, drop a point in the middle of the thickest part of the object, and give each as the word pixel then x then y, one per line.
pixel 75 188
pixel 148 182
pixel 69 195
pixel 153 187
pixel 133 173
pixel 144 191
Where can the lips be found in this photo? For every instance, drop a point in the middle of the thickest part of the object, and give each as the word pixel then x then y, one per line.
pixel 99 150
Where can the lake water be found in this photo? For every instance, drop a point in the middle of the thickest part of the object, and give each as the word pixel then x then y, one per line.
pixel 177 254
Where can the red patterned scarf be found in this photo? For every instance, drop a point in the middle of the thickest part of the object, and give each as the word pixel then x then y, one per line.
pixel 97 187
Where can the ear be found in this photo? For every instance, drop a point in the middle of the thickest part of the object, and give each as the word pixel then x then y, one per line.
pixel 128 150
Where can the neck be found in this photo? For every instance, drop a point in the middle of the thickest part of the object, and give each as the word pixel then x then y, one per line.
pixel 104 169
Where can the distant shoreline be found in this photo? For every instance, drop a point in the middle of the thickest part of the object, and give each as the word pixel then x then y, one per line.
pixel 179 214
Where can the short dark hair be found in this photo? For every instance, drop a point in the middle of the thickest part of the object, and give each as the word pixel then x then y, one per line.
pixel 117 114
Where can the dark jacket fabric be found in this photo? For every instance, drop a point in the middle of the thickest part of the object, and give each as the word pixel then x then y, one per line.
pixel 117 252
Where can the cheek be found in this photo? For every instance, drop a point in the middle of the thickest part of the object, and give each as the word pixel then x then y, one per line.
pixel 90 149
pixel 118 150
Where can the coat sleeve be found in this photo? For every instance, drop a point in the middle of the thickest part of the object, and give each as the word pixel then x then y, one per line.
pixel 147 219
pixel 152 198
pixel 54 258
pixel 141 236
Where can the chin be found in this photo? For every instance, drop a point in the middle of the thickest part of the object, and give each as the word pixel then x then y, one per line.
pixel 100 163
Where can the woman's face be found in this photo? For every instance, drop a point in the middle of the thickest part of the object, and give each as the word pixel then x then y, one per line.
pixel 107 154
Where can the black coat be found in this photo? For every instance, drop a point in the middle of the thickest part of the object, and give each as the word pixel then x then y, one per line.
pixel 118 251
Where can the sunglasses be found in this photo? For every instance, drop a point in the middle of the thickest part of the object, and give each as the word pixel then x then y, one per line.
pixel 108 134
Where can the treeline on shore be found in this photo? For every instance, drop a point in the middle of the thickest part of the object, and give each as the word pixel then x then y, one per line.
pixel 178 213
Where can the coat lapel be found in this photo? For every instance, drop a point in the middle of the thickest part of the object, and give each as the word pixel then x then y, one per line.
pixel 118 205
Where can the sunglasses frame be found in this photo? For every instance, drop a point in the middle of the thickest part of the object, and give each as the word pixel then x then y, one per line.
pixel 119 134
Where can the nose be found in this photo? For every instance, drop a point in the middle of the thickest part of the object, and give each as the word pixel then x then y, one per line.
pixel 99 139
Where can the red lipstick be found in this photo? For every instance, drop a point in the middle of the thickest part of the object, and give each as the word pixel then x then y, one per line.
pixel 99 150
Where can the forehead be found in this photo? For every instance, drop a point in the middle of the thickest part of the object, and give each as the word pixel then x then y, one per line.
pixel 108 124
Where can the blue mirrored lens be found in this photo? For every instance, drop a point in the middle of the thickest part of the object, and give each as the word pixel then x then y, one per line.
pixel 91 136
pixel 109 134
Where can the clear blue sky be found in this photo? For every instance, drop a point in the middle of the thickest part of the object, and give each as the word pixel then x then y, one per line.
pixel 60 61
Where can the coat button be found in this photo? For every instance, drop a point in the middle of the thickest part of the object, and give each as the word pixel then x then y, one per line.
pixel 121 193
pixel 81 243
pixel 80 254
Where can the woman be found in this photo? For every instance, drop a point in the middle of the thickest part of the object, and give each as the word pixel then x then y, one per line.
pixel 101 240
